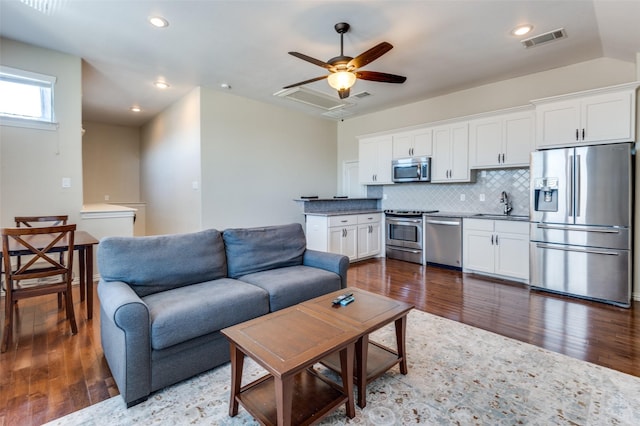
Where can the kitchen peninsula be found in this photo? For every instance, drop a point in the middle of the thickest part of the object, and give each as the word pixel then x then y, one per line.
pixel 349 226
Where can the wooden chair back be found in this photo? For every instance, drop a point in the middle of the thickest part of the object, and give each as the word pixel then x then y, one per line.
pixel 47 269
pixel 31 221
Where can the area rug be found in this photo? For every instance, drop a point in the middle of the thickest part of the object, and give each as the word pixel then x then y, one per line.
pixel 458 375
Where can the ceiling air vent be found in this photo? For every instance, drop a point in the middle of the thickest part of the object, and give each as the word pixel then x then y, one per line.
pixel 361 95
pixel 312 97
pixel 544 38
pixel 338 114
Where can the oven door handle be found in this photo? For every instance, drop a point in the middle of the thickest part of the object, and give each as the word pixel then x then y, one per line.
pixel 443 222
pixel 403 221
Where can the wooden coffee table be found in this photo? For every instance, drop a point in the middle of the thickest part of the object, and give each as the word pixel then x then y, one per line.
pixel 287 343
pixel 367 313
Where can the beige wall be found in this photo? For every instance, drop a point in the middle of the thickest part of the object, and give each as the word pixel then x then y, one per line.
pixel 257 158
pixel 33 162
pixel 170 165
pixel 110 163
pixel 216 160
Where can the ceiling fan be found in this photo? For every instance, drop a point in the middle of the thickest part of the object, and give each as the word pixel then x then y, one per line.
pixel 344 70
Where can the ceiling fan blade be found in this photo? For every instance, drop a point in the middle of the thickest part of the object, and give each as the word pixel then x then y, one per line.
pixel 314 61
pixel 305 82
pixel 370 55
pixel 380 76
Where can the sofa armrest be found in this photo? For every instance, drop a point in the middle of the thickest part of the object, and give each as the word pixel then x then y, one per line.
pixel 331 262
pixel 124 333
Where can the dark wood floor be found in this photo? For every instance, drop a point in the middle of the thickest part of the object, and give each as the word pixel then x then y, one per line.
pixel 48 373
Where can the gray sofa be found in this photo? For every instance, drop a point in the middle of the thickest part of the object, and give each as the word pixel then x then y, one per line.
pixel 164 299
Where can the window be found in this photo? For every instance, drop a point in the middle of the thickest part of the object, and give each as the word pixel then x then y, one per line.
pixel 26 99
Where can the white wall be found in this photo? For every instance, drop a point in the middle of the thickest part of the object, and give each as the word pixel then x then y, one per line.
pixel 170 164
pixel 110 163
pixel 33 162
pixel 257 158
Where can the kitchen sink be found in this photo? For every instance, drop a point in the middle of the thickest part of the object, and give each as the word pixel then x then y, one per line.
pixel 501 216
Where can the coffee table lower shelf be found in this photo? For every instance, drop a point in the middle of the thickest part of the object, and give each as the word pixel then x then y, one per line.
pixel 379 359
pixel 313 398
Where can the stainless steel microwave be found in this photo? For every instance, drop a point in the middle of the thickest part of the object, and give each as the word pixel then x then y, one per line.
pixel 414 169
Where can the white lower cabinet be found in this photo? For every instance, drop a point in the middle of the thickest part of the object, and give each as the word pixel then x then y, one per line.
pixel 369 231
pixel 496 247
pixel 356 236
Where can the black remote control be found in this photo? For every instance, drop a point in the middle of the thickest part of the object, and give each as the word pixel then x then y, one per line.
pixel 340 298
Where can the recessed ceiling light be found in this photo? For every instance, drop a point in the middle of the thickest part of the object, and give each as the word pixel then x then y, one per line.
pixel 521 30
pixel 135 108
pixel 161 84
pixel 226 86
pixel 158 21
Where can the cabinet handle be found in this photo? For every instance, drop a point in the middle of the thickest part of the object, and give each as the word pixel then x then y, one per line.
pixel 492 240
pixel 577 135
pixel 582 134
pixel 502 158
pixel 496 240
pixel 498 158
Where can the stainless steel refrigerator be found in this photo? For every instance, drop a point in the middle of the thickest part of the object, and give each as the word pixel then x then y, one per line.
pixel 581 222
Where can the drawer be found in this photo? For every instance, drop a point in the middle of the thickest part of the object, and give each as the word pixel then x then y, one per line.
pixel 343 220
pixel 369 218
pixel 512 227
pixel 478 224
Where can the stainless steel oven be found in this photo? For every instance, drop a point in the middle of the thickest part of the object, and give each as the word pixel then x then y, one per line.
pixel 404 235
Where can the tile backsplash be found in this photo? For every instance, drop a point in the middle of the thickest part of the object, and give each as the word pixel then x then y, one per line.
pixel 447 196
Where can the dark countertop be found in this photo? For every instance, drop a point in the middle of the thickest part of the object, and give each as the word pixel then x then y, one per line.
pixel 489 216
pixel 344 212
pixel 336 199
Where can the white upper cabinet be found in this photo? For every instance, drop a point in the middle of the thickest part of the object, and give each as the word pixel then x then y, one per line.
pixel 586 119
pixel 375 160
pixel 503 140
pixel 414 143
pixel 450 161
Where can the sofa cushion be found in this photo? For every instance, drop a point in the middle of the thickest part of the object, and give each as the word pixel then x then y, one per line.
pixel 188 312
pixel 252 250
pixel 292 285
pixel 158 263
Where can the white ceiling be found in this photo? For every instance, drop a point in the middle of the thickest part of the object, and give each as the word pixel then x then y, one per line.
pixel 440 46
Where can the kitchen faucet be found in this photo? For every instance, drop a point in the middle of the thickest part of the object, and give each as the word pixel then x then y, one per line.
pixel 504 199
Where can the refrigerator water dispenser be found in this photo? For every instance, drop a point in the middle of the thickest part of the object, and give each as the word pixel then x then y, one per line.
pixel 546 194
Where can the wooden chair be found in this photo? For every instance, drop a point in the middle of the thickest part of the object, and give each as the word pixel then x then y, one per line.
pixel 40 221
pixel 43 272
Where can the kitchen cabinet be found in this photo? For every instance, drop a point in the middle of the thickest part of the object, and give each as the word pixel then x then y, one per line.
pixel 369 233
pixel 356 236
pixel 375 160
pixel 581 120
pixel 503 140
pixel 414 143
pixel 496 247
pixel 450 162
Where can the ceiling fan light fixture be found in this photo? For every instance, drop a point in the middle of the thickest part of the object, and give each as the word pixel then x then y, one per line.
pixel 341 80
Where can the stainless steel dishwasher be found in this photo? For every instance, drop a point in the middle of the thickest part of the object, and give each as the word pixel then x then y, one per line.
pixel 443 241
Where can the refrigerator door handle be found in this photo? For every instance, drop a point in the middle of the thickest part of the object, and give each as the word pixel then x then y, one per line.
pixel 571 188
pixel 577 186
pixel 584 229
pixel 576 249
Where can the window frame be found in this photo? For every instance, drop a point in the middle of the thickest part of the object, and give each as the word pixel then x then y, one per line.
pixel 32 79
